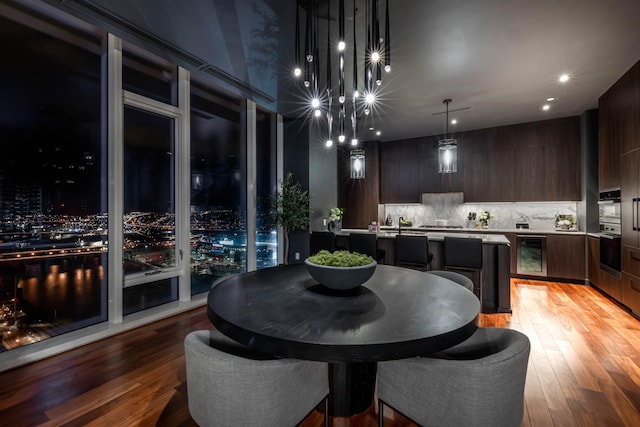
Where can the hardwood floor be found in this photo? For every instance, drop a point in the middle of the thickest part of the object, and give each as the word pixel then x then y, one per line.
pixel 584 370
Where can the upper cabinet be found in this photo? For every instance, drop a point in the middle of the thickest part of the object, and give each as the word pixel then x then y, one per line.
pixel 537 161
pixel 400 164
pixel 359 197
pixel 618 126
pixel 609 140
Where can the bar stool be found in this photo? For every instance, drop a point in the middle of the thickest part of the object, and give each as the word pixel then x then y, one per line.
pixel 464 255
pixel 413 252
pixel 320 240
pixel 366 244
pixel 458 278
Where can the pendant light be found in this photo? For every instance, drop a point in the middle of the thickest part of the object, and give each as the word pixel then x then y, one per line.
pixel 447 148
pixel 327 99
pixel 357 164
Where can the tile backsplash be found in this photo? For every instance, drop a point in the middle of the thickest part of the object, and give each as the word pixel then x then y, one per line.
pixel 450 209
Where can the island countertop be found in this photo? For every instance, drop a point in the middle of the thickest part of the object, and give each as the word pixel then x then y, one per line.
pixel 432 235
pixel 386 228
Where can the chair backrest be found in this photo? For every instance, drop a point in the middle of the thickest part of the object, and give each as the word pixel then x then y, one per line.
pixel 321 240
pixel 463 252
pixel 229 384
pixel 412 249
pixel 460 279
pixel 479 382
pixel 363 243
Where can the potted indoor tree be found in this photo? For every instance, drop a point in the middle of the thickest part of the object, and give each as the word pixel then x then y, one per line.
pixel 290 209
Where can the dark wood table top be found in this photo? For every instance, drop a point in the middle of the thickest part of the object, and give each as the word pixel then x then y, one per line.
pixel 397 313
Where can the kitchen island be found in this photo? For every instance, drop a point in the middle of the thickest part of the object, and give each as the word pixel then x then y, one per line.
pixel 496 260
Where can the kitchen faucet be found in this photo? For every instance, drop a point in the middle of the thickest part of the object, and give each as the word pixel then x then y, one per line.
pixel 400 225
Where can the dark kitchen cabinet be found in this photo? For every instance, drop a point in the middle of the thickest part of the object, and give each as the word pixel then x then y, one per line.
pixel 566 256
pixel 608 158
pixel 630 260
pixel 630 292
pixel 529 175
pixel 611 285
pixel 609 140
pixel 627 102
pixel 501 185
pixel 629 194
pixel 562 172
pixel 475 177
pixel 429 178
pixel 400 171
pixel 359 197
pixel 536 161
pixel 560 141
pixel 618 126
pixel 593 260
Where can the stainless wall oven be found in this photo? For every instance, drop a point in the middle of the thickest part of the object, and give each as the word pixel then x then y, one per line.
pixel 610 249
pixel 610 232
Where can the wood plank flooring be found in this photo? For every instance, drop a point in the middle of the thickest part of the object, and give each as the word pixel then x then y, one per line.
pixel 584 370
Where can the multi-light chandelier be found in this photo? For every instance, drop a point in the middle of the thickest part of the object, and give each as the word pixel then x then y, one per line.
pixel 322 92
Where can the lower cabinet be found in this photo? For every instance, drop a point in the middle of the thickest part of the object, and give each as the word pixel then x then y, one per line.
pixel 566 257
pixel 630 292
pixel 631 260
pixel 593 260
pixel 611 285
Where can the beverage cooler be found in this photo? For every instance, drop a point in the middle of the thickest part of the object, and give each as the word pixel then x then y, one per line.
pixel 531 255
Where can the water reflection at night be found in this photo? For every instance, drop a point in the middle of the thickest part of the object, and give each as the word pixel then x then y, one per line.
pixel 41 298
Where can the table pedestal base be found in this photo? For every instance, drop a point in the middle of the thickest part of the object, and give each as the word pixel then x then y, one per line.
pixel 352 387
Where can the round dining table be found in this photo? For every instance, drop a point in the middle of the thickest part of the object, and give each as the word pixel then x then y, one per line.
pixel 398 313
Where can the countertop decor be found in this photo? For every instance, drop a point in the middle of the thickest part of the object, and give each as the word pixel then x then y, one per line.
pixel 483 218
pixel 334 222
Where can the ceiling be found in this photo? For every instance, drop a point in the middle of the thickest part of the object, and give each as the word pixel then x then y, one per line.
pixel 499 58
pixel 502 58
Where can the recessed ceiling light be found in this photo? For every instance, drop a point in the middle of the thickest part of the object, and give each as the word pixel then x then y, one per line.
pixel 371 128
pixel 545 107
pixel 378 133
pixel 454 121
pixel 563 78
pixel 551 99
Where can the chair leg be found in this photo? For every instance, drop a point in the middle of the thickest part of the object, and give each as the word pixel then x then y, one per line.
pixel 380 413
pixel 326 411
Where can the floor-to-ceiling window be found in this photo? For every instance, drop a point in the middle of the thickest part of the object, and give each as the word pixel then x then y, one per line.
pixel 266 231
pixel 152 147
pixel 65 180
pixel 53 213
pixel 149 225
pixel 218 187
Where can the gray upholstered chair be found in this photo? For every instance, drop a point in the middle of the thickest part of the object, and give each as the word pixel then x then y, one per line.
pixel 479 382
pixel 231 385
pixel 460 279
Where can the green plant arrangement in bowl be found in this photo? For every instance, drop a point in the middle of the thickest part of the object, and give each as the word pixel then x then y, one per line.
pixel 340 270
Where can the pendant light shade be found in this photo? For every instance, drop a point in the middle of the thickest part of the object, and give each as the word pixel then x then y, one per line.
pixel 357 162
pixel 447 148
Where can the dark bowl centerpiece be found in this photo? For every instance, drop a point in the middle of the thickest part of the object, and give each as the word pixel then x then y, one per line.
pixel 340 269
